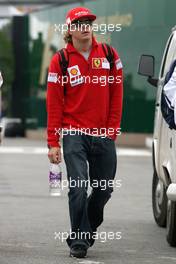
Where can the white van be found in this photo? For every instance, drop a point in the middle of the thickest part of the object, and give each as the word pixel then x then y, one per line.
pixel 164 146
pixel 1 83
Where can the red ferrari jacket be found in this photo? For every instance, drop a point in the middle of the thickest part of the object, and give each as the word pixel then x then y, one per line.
pixel 90 97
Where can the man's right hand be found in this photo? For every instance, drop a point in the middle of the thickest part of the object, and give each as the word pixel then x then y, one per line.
pixel 54 155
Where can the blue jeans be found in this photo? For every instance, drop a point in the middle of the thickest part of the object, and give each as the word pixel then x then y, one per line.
pixel 86 213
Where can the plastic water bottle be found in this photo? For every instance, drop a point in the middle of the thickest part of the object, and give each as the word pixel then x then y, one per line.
pixel 55 178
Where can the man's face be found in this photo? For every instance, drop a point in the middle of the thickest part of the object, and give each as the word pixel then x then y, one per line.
pixel 81 29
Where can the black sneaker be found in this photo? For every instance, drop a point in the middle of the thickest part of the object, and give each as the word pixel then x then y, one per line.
pixel 91 239
pixel 78 251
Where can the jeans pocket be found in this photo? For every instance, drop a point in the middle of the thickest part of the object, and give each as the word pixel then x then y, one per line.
pixel 109 139
pixel 71 144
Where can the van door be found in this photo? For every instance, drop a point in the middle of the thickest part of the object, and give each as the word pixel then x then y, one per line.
pixel 165 135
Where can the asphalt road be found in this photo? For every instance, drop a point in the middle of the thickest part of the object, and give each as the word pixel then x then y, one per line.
pixel 30 218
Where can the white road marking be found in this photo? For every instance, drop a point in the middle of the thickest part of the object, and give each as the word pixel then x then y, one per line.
pixel 23 150
pixel 11 150
pixel 90 262
pixel 131 251
pixel 169 258
pixel 24 245
pixel 133 152
pixel 42 150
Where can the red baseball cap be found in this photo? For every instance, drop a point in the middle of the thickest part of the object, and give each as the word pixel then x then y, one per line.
pixel 77 13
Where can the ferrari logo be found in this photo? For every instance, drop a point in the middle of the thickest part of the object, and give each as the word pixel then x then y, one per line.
pixel 96 63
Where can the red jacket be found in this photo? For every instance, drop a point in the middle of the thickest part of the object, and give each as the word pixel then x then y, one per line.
pixel 91 104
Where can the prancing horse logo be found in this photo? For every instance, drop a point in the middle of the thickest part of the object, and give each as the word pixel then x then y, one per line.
pixel 96 63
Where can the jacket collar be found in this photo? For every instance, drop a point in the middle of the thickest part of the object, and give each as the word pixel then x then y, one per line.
pixel 70 48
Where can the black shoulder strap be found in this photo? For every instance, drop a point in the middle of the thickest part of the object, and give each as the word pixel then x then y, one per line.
pixel 63 61
pixel 109 54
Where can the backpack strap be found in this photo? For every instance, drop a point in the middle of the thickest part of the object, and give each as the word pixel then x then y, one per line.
pixel 109 54
pixel 63 61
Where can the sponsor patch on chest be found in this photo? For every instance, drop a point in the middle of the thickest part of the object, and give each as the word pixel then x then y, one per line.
pixel 100 63
pixel 75 75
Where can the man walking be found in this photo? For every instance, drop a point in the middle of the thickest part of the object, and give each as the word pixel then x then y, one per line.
pixel 88 105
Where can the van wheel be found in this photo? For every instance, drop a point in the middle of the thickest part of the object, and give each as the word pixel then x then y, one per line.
pixel 159 201
pixel 171 223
